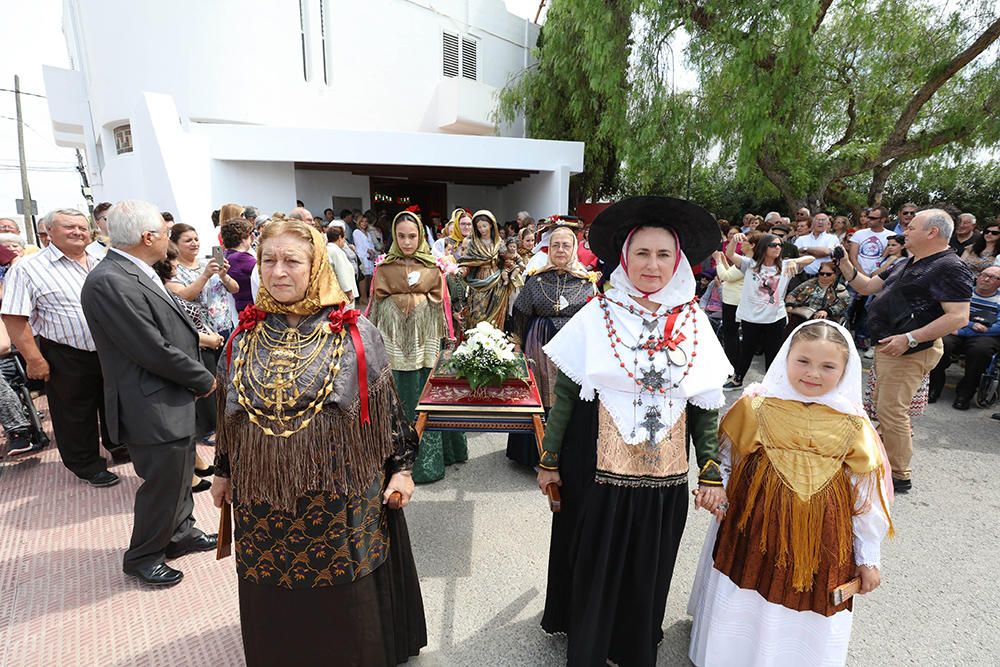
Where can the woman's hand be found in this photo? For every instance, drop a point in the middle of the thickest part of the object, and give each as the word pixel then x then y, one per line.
pixel 212 268
pixel 870 578
pixel 820 315
pixel 222 491
pixel 713 499
pixel 403 482
pixel 224 269
pixel 546 477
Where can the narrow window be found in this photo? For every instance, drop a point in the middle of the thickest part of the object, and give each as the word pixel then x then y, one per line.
pixel 469 47
pixel 322 37
pixel 450 54
pixel 123 139
pixel 302 36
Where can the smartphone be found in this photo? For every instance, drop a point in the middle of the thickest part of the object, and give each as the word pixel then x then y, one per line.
pixel 218 255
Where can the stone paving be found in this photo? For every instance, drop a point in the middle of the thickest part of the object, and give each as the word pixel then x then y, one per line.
pixel 480 537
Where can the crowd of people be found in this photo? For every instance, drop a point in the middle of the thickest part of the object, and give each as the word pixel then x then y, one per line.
pixel 149 339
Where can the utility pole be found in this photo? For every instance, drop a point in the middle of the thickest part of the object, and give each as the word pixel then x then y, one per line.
pixel 85 184
pixel 29 213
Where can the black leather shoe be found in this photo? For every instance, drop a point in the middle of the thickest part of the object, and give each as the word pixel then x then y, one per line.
pixel 103 478
pixel 205 472
pixel 961 403
pixel 933 395
pixel 901 485
pixel 120 456
pixel 160 574
pixel 201 543
pixel 203 485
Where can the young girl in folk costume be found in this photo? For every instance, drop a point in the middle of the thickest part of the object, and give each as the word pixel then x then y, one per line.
pixel 808 508
pixel 639 370
pixel 408 306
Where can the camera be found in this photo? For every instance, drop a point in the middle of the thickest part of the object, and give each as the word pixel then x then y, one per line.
pixel 838 253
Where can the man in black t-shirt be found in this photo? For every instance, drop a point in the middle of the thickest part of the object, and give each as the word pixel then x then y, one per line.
pixel 921 300
pixel 965 234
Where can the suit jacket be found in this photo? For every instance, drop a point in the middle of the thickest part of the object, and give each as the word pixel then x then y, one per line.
pixel 149 354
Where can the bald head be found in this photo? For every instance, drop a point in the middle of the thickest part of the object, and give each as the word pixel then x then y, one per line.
pixel 300 213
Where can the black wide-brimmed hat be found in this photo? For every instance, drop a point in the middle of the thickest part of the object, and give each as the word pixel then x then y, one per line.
pixel 696 228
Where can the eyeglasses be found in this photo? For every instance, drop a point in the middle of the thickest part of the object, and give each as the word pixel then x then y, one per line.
pixel 774 245
pixel 907 212
pixel 826 273
pixel 874 217
pixel 992 232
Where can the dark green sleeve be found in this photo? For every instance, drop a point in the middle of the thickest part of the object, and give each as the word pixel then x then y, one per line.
pixel 703 425
pixel 567 393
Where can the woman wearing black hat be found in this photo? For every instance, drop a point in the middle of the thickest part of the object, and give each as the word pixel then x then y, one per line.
pixel 639 369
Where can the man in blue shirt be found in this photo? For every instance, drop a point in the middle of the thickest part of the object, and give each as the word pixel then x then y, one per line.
pixel 979 340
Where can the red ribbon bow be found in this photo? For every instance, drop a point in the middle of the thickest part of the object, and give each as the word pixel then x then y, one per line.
pixel 339 317
pixel 413 209
pixel 249 317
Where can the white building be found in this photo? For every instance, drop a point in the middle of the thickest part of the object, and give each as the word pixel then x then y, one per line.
pixel 339 103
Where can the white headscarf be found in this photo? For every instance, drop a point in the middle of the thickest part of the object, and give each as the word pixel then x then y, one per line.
pixel 845 397
pixel 582 351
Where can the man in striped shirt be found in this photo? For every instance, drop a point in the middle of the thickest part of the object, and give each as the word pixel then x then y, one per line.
pixel 42 297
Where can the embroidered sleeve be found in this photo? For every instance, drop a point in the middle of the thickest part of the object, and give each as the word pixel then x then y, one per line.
pixel 567 393
pixel 405 438
pixel 703 425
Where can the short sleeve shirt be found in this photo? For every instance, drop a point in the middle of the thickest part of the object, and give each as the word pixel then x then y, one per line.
pixel 939 278
pixel 824 240
pixel 871 245
pixel 762 300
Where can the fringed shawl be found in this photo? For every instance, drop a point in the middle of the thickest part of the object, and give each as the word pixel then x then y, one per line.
pixel 334 453
pixel 804 453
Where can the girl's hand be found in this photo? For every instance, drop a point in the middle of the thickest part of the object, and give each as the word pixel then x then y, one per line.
pixel 870 578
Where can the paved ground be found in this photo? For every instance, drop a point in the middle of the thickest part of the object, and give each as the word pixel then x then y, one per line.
pixel 481 540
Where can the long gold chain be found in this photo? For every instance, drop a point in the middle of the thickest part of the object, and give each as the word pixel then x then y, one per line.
pixel 278 366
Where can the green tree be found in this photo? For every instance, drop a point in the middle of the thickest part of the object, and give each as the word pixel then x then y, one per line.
pixel 825 100
pixel 578 89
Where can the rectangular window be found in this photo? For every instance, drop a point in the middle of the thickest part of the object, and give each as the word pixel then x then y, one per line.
pixel 322 38
pixel 469 47
pixel 450 53
pixel 302 36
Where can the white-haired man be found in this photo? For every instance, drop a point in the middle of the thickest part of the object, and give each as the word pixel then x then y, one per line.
pixel 42 298
pixel 965 234
pixel 921 300
pixel 153 374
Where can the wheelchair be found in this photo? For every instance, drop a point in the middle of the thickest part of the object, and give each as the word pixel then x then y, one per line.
pixel 989 384
pixel 14 372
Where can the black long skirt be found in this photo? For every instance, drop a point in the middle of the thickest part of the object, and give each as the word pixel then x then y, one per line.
pixel 376 621
pixel 611 557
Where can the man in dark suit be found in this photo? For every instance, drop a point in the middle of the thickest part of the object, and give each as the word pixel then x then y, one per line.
pixel 152 374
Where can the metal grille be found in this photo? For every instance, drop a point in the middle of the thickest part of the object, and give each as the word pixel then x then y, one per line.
pixel 469 48
pixel 450 54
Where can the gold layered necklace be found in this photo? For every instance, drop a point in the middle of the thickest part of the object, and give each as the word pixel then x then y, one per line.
pixel 279 365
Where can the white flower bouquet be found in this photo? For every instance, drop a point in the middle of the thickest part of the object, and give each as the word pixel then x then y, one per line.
pixel 485 357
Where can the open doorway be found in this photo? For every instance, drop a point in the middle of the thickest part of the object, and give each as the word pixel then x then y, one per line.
pixel 392 195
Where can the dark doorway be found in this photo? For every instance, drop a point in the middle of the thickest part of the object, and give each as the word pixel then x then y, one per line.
pixel 392 195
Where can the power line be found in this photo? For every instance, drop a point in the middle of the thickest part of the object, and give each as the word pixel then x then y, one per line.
pixel 9 90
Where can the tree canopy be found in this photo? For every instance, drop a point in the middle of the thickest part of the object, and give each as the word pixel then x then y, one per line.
pixel 825 100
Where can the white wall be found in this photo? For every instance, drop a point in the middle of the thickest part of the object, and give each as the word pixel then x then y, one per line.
pixel 474 197
pixel 316 189
pixel 270 186
pixel 383 56
pixel 542 194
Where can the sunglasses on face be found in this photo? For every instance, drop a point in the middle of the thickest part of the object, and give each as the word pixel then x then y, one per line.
pixel 774 245
pixel 826 273
pixel 908 213
pixel 874 217
pixel 992 232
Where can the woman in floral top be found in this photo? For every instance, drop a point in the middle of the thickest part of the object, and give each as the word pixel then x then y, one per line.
pixel 206 288
pixel 821 298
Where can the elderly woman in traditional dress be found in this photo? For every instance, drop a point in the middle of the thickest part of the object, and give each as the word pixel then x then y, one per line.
pixel 482 267
pixel 312 444
pixel 408 307
pixel 547 301
pixel 640 371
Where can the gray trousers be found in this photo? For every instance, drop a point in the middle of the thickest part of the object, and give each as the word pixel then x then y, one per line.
pixel 11 411
pixel 163 503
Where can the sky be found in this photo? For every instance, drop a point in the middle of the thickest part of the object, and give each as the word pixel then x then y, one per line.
pixel 31 36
